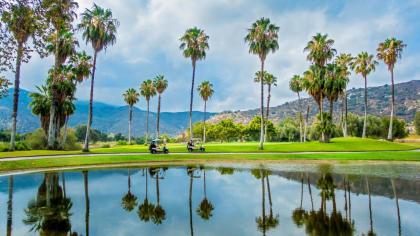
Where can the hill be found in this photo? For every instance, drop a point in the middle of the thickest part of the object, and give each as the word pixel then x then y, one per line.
pixel 407 101
pixel 107 118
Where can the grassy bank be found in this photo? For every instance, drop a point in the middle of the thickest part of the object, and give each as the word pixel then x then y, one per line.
pixel 79 161
pixel 337 145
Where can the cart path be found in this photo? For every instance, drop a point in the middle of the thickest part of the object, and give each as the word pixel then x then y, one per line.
pixel 6 159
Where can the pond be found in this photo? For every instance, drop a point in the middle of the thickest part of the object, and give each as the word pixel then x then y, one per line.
pixel 216 199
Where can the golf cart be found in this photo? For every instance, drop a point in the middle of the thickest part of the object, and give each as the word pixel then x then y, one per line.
pixel 158 146
pixel 195 145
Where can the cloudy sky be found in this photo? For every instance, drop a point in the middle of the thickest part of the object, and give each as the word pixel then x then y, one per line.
pixel 148 44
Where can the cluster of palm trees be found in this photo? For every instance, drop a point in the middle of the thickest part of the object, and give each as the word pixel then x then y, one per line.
pixel 148 89
pixel 328 76
pixel 50 24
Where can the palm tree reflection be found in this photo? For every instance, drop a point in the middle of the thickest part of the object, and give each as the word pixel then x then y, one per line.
pixel 129 200
pixel 159 213
pixel 145 210
pixel 49 212
pixel 191 173
pixel 205 208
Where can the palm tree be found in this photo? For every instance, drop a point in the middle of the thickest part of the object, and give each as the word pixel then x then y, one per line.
pixel 129 201
pixel 296 86
pixel 335 84
pixel 364 64
pixel 161 84
pixel 131 97
pixel 205 89
pixel 269 80
pixel 22 22
pixel 159 214
pixel 205 208
pixel 320 51
pixel 99 28
pixel 262 39
pixel 145 210
pixel 299 212
pixel 344 60
pixel 147 90
pixel 10 207
pixel 61 43
pixel 194 44
pixel 389 52
pixel 40 105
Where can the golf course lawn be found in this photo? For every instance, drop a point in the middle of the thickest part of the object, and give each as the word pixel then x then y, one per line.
pixel 91 161
pixel 336 145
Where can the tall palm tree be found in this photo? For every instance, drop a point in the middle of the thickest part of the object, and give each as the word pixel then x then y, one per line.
pixel 320 51
pixel 194 44
pixel 389 52
pixel 269 80
pixel 10 207
pixel 129 200
pixel 131 97
pixel 364 64
pixel 262 39
pixel 205 208
pixel 344 60
pixel 99 28
pixel 62 42
pixel 206 91
pixel 296 86
pixel 22 22
pixel 335 84
pixel 161 84
pixel 147 90
pixel 40 105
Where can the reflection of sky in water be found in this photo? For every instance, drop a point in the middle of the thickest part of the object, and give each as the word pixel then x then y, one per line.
pixel 236 198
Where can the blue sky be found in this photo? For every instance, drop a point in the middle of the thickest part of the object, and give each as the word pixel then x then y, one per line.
pixel 148 44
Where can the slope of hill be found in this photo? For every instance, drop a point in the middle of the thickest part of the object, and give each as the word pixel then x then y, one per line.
pixel 407 101
pixel 107 118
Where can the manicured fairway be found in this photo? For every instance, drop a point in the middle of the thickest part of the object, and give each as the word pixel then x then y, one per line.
pixel 81 161
pixel 336 145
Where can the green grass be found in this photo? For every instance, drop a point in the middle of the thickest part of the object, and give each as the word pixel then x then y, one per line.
pixel 86 161
pixel 336 145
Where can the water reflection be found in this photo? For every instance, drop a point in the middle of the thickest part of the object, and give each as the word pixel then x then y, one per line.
pixel 318 202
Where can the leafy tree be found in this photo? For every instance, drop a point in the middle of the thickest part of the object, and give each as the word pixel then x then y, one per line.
pixel 131 97
pixel 226 130
pixel 262 39
pixel 21 22
pixel 206 91
pixel 252 130
pixel 296 85
pixel 389 52
pixel 4 86
pixel 417 122
pixel 288 130
pixel 147 90
pixel 364 64
pixel 194 44
pixel 161 84
pixel 99 28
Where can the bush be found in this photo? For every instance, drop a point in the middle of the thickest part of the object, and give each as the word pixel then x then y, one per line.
pixel 37 140
pixel 71 141
pixel 4 147
pixel 22 146
pixel 106 145
pixel 122 143
pixel 417 122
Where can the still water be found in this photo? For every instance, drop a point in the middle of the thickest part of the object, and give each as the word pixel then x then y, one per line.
pixel 278 199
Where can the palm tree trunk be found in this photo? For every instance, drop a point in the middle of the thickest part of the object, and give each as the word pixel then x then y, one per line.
pixel 349 192
pixel 87 203
pixel 157 189
pixel 190 206
pixel 191 98
pixel 392 105
pixel 262 107
pixel 331 108
pixel 306 125
pixel 90 115
pixel 398 206
pixel 268 112
pixel 63 179
pixel 345 114
pixel 204 184
pixel 130 117
pixel 300 118
pixel 147 121
pixel 158 118
pixel 10 207
pixel 269 196
pixel 16 96
pixel 366 104
pixel 263 201
pixel 370 205
pixel 321 114
pixel 310 190
pixel 204 121
pixel 301 191
pixel 63 141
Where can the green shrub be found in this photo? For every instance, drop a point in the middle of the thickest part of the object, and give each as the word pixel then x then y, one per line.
pixel 4 147
pixel 22 146
pixel 417 122
pixel 37 140
pixel 122 143
pixel 71 141
pixel 106 145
